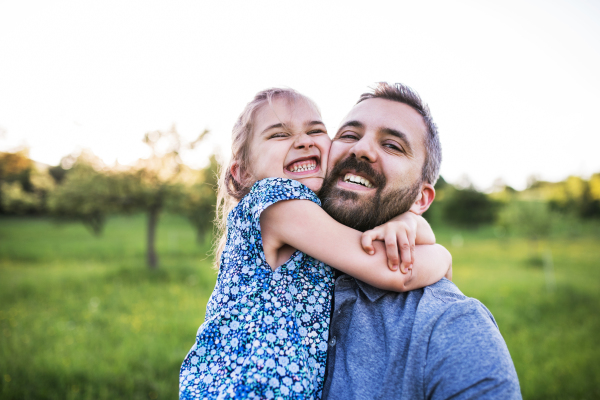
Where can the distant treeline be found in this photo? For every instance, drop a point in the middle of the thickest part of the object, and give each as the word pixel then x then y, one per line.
pixel 83 188
pixel 533 212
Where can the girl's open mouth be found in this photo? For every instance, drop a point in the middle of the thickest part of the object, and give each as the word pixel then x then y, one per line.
pixel 304 165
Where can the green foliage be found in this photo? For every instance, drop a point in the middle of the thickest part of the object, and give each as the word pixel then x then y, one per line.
pixel 89 193
pixel 16 167
pixel 163 180
pixel 24 187
pixel 532 219
pixel 468 207
pixel 58 173
pixel 197 202
pixel 574 195
pixel 15 200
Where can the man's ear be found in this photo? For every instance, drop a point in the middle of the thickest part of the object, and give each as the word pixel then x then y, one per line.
pixel 424 199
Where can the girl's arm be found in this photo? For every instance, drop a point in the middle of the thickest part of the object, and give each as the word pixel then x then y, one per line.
pixel 402 232
pixel 305 226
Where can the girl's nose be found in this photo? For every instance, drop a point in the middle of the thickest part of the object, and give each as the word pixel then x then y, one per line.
pixel 304 142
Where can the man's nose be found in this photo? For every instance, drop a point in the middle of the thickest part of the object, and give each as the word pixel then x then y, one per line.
pixel 304 142
pixel 365 150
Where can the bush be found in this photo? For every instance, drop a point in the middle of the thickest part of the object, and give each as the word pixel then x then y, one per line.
pixel 533 219
pixel 468 207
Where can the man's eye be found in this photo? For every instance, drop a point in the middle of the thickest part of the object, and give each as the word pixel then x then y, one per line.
pixel 315 132
pixel 348 135
pixel 393 147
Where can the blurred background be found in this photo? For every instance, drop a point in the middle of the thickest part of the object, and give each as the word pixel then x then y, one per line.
pixel 115 117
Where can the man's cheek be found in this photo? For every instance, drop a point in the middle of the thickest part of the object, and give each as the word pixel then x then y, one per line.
pixel 336 154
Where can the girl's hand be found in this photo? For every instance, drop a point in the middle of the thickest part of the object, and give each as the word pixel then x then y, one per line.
pixel 399 233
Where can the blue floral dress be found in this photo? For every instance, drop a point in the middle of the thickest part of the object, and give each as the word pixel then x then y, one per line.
pixel 265 332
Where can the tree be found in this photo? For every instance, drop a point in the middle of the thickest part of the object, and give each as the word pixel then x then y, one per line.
pixel 198 201
pixel 468 207
pixel 89 192
pixel 24 186
pixel 161 180
pixel 577 195
pixel 533 219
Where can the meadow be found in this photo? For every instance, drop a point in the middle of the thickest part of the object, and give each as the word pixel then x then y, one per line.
pixel 81 317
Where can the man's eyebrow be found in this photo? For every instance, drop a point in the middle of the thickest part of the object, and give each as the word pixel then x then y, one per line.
pixel 315 122
pixel 354 124
pixel 400 135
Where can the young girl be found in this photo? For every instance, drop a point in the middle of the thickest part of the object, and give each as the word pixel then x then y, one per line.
pixel 266 325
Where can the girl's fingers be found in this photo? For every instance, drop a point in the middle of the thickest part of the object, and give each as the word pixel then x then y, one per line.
pixel 412 238
pixel 367 241
pixel 391 248
pixel 405 251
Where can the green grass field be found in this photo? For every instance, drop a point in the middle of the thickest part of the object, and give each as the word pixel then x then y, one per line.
pixel 82 318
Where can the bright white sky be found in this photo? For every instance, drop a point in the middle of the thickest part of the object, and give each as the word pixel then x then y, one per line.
pixel 514 86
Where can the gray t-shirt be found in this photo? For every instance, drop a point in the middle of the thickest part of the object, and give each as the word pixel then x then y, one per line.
pixel 430 343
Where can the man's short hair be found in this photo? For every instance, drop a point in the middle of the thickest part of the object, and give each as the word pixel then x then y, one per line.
pixel 404 94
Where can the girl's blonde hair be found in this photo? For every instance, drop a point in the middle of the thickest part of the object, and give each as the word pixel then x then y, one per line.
pixel 230 191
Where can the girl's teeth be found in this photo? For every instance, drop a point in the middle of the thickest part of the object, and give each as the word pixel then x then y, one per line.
pixel 302 168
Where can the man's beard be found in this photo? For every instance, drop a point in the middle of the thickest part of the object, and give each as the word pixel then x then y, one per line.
pixel 349 209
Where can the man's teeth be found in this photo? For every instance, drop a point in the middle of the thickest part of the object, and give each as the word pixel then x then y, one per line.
pixel 300 167
pixel 357 179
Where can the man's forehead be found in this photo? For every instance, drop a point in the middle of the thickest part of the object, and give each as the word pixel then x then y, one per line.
pixel 388 114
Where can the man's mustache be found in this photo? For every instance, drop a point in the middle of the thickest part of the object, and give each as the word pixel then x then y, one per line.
pixel 351 162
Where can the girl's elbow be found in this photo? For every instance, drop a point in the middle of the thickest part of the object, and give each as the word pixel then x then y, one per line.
pixel 402 285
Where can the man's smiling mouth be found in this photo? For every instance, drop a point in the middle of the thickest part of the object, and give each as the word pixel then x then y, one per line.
pixel 359 180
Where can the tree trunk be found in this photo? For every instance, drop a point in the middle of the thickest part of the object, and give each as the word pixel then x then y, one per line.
pixel 150 250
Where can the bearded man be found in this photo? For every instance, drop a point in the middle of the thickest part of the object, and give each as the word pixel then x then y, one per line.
pixel 430 343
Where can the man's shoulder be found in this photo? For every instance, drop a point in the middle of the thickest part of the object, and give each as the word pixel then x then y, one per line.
pixel 444 299
pixel 465 352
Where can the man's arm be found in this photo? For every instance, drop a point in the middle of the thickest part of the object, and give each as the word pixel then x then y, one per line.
pixel 467 357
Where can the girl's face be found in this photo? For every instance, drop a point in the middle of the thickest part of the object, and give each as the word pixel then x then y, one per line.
pixel 289 141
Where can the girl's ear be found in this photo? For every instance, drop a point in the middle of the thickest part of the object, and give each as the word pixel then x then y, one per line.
pixel 235 171
pixel 238 173
pixel 424 199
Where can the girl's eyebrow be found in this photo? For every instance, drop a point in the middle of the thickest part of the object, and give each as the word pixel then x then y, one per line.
pixel 278 125
pixel 281 125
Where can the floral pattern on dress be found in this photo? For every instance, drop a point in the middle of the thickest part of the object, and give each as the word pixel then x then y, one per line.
pixel 265 332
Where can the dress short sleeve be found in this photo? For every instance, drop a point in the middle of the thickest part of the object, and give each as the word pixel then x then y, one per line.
pixel 269 191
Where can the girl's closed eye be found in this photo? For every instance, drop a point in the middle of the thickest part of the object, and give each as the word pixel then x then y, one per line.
pixel 279 135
